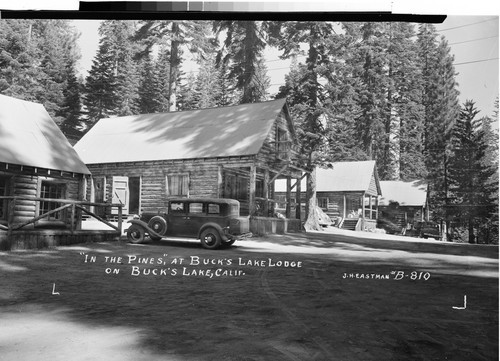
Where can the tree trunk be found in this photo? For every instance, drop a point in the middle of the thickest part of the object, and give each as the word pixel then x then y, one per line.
pixel 472 237
pixel 174 68
pixel 312 222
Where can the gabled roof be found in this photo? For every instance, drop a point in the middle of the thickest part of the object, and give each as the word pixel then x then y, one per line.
pixel 405 193
pixel 342 177
pixel 205 133
pixel 30 137
pixel 347 177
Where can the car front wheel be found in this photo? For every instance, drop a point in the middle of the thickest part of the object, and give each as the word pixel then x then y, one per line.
pixel 159 225
pixel 210 238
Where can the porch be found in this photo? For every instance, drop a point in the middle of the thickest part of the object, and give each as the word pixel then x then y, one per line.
pixel 59 222
pixel 356 211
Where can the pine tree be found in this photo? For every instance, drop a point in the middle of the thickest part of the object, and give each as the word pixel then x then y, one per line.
pixel 71 109
pixel 189 97
pixel 441 109
pixel 403 153
pixel 127 86
pixel 470 177
pixel 162 80
pixel 147 87
pixel 33 61
pixel 113 83
pixel 189 34
pixel 369 66
pixel 307 105
pixel 242 54
pixel 18 59
pixel 100 87
pixel 228 94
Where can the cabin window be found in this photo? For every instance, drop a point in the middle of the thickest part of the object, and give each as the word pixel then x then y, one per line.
pixel 52 190
pixel 236 187
pixel 259 188
pixel 282 144
pixel 4 203
pixel 323 203
pixel 178 185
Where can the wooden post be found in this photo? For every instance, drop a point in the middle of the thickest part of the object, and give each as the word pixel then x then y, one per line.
pixel 298 206
pixel 220 185
pixel 251 196
pixel 120 220
pixel 288 197
pixel 92 194
pixel 10 222
pixel 362 211
pixel 72 225
pixel 266 192
pixel 344 207
pixel 363 205
pixel 371 210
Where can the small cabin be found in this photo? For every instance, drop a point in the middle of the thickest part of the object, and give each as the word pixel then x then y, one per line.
pixel 404 203
pixel 233 152
pixel 347 192
pixel 42 179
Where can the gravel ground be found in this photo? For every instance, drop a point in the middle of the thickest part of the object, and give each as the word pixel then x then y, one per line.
pixel 316 296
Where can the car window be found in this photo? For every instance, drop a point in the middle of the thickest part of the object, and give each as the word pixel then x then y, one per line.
pixel 177 207
pixel 196 208
pixel 213 208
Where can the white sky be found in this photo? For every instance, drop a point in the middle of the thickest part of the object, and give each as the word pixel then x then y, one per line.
pixel 473 40
pixel 473 37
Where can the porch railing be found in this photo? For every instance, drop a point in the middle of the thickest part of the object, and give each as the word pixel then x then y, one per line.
pixel 76 208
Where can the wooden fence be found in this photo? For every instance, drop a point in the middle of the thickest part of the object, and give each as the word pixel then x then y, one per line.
pixel 18 235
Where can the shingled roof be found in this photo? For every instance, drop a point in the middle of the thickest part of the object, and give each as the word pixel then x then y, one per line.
pixel 405 193
pixel 341 177
pixel 30 137
pixel 346 177
pixel 216 132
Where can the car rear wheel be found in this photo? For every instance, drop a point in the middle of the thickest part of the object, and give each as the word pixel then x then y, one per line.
pixel 159 225
pixel 135 234
pixel 210 238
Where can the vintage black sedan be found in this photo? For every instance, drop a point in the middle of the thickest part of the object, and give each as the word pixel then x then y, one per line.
pixel 215 222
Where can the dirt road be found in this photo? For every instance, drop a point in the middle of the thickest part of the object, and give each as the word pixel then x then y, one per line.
pixel 293 297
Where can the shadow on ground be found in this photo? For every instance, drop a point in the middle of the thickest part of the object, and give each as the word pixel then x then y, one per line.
pixel 60 305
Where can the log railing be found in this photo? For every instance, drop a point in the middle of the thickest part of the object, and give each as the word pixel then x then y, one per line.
pixel 75 208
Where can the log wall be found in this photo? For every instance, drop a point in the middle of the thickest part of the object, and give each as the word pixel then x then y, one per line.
pixel 203 177
pixel 28 185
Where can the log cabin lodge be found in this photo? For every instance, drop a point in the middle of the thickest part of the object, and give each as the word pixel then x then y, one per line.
pixel 42 180
pixel 231 152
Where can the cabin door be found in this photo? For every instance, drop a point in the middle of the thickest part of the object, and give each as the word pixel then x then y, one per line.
pixel 120 194
pixel 99 185
pixel 4 203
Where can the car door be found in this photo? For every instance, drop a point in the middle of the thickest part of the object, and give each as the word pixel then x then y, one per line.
pixel 177 219
pixel 197 217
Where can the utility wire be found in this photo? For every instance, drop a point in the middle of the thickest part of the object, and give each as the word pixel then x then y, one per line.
pixel 469 41
pixel 463 26
pixel 475 61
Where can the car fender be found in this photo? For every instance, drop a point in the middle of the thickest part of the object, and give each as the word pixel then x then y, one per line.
pixel 145 226
pixel 215 226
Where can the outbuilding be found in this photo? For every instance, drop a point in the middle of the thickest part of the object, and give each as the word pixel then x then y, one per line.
pixel 348 192
pixel 404 203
